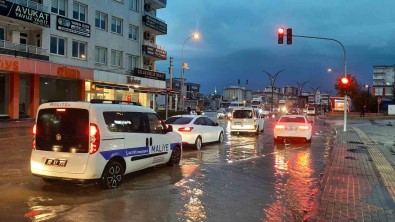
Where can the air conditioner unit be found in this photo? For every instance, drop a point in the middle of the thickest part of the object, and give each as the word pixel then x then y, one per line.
pixel 147 7
pixel 147 35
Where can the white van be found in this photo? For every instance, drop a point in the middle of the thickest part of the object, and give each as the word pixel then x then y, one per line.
pixel 246 119
pixel 310 111
pixel 100 141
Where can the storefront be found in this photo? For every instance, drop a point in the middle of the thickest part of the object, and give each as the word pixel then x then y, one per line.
pixel 25 84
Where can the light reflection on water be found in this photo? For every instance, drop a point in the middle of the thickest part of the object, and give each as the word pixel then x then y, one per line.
pixel 294 186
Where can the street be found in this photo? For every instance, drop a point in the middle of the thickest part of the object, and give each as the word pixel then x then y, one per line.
pixel 246 178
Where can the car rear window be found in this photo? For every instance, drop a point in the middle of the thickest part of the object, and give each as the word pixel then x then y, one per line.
pixel 242 114
pixel 178 120
pixel 63 130
pixel 292 120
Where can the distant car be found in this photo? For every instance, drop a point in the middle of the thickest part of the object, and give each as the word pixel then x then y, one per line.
pixel 196 129
pixel 293 127
pixel 311 111
pixel 246 119
pixel 221 113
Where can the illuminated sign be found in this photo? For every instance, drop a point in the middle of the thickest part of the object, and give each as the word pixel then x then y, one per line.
pixel 149 74
pixel 73 26
pixel 155 24
pixel 23 13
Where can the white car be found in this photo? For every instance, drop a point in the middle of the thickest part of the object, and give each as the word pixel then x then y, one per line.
pixel 293 127
pixel 196 129
pixel 310 111
pixel 95 140
pixel 246 119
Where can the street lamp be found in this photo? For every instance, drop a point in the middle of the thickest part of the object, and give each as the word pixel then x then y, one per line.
pixel 185 66
pixel 272 81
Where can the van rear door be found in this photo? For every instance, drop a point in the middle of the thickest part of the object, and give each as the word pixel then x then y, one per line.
pixel 62 139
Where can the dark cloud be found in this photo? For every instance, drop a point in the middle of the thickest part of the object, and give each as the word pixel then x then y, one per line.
pixel 239 40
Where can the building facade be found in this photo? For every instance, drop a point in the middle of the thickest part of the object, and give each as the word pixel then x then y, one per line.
pixel 234 93
pixel 383 82
pixel 79 50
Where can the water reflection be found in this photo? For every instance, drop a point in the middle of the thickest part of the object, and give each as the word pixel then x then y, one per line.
pixel 295 186
pixel 193 209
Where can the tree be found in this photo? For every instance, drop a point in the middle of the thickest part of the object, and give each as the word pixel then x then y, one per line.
pixel 351 88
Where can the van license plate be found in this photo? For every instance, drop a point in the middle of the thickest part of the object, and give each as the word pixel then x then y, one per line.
pixel 56 162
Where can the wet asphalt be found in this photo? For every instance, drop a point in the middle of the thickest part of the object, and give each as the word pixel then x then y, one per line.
pixel 248 177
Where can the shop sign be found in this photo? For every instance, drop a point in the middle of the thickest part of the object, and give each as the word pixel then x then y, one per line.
pixel 149 74
pixel 73 26
pixel 133 81
pixel 9 65
pixel 23 13
pixel 155 52
pixel 155 24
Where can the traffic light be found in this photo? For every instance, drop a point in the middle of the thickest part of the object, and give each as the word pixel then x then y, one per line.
pixel 344 81
pixel 280 35
pixel 289 36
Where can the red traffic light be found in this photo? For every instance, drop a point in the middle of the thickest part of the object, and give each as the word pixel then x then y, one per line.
pixel 280 35
pixel 344 81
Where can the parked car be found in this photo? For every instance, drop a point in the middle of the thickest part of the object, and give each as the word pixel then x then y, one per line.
pixel 221 113
pixel 246 119
pixel 196 130
pixel 293 127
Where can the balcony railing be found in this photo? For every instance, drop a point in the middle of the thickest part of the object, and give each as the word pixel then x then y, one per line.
pixel 153 45
pixel 154 16
pixel 31 4
pixel 22 50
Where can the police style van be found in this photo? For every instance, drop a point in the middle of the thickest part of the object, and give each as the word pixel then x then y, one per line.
pixel 99 140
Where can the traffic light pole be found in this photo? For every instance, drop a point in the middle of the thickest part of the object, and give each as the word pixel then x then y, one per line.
pixel 345 71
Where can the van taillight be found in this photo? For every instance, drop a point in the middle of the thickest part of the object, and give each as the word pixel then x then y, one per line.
pixel 34 131
pixel 94 138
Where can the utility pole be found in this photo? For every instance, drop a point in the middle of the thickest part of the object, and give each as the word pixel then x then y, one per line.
pixel 171 81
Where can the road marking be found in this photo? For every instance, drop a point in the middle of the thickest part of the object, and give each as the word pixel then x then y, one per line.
pixel 385 169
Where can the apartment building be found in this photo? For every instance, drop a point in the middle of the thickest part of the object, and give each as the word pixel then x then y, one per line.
pixel 79 50
pixel 383 81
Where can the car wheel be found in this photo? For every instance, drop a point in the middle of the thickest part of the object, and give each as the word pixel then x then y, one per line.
pixel 175 157
pixel 198 143
pixel 112 176
pixel 221 137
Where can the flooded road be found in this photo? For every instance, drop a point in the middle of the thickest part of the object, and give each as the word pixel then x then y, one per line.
pixel 247 178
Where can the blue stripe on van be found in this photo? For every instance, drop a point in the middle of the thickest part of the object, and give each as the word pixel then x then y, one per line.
pixel 130 152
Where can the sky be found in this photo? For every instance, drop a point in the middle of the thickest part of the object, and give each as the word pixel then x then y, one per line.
pixel 239 41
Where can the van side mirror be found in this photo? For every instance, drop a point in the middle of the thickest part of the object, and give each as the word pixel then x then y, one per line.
pixel 169 128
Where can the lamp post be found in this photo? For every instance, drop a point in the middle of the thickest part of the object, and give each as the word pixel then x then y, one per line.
pixel 300 88
pixel 185 66
pixel 272 81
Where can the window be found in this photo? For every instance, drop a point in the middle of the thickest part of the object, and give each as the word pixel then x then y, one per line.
pixel 155 124
pixel 116 25
pixel 79 50
pixel 133 32
pixel 79 11
pixel 116 58
pixel 100 55
pixel 58 7
pixel 134 122
pixel 133 62
pixel 101 20
pixel 57 46
pixel 134 5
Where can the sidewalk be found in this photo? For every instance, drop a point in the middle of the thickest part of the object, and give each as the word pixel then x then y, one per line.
pixel 16 123
pixel 359 181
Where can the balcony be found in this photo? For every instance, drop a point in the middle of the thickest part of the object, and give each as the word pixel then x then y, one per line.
pixel 155 24
pixel 22 50
pixel 154 51
pixel 156 4
pixel 31 4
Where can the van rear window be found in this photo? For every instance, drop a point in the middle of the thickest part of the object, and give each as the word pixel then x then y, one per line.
pixel 242 114
pixel 63 130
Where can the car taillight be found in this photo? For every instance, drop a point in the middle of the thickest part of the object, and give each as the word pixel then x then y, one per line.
pixel 303 127
pixel 279 127
pixel 185 129
pixel 34 131
pixel 94 138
